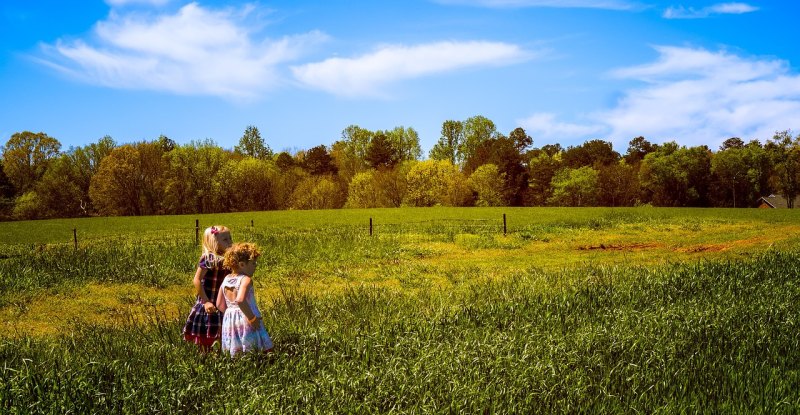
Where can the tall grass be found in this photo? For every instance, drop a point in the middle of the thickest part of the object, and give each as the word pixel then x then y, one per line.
pixel 706 336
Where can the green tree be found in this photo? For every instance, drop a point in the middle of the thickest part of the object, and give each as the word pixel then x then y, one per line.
pixel 477 129
pixel 405 141
pixel 86 161
pixel 381 152
pixel 116 188
pixel 26 157
pixel 504 153
pixel 575 187
pixel 285 161
pixel 637 149
pixel 249 185
pixel 676 176
pixel 318 192
pixel 252 145
pixel 521 139
pixel 130 181
pixel 541 170
pixel 733 142
pixel 449 143
pixel 362 191
pixel 487 181
pixel 436 182
pixel 785 155
pixel 6 194
pixel 618 184
pixel 192 180
pixel 759 170
pixel 58 192
pixel 730 175
pixel 593 153
pixel 350 152
pixel 317 161
pixel 167 144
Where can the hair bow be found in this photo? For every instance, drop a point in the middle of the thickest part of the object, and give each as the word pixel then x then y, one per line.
pixel 214 230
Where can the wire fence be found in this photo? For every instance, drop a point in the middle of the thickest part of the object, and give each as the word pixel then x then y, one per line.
pixel 81 238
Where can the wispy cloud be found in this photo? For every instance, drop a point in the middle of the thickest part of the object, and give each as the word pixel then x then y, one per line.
pixel 693 96
pixel 680 12
pixel 196 51
pixel 544 126
pixel 586 4
pixel 697 96
pixel 367 75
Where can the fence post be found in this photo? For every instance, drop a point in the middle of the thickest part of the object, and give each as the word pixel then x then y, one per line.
pixel 197 231
pixel 504 224
pixel 251 223
pixel 75 237
pixel 370 226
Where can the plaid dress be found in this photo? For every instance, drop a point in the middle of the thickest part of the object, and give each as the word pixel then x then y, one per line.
pixel 202 328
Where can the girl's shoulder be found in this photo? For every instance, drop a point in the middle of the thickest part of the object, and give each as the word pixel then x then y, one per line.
pixel 232 280
pixel 210 261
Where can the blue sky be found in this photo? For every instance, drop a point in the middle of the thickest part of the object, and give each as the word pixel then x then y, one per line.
pixel 696 72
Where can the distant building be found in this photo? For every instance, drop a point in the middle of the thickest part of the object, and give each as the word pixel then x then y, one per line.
pixel 776 202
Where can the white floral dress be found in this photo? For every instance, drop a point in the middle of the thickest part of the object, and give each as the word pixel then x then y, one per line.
pixel 237 334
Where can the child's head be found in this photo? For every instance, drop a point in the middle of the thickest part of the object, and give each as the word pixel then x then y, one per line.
pixel 241 258
pixel 216 240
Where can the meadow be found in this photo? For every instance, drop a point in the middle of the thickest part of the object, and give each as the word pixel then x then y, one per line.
pixel 438 310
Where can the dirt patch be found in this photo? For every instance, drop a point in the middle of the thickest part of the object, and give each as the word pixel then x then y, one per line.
pixel 618 247
pixel 703 248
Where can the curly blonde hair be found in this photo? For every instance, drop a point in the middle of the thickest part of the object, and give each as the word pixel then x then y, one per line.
pixel 240 252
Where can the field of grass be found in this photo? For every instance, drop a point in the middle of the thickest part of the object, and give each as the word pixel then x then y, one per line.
pixel 573 310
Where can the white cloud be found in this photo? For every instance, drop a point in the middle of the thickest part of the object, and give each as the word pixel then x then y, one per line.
pixel 367 75
pixel 693 96
pixel 587 4
pixel 545 126
pixel 196 51
pixel 697 97
pixel 681 12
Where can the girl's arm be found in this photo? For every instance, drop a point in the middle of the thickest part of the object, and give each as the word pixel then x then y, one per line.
pixel 243 304
pixel 198 288
pixel 221 304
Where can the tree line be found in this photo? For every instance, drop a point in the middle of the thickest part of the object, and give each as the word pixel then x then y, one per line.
pixel 472 164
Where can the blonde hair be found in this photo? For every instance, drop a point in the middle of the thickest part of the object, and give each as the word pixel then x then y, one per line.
pixel 240 252
pixel 210 245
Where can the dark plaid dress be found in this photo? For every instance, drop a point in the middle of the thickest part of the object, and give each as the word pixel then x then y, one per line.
pixel 202 328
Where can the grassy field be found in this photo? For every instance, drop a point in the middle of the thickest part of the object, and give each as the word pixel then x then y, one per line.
pixel 572 310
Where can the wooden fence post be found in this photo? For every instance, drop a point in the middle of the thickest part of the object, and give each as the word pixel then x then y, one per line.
pixel 197 231
pixel 251 223
pixel 504 224
pixel 370 226
pixel 75 237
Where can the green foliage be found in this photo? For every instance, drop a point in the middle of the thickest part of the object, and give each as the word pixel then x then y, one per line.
pixel 318 161
pixel 447 148
pixel 785 154
pixel 249 184
pixel 252 145
pixel 476 130
pixel 381 152
pixel 318 192
pixel 677 176
pixel 716 335
pixel 26 157
pixel 487 182
pixel 194 175
pixel 574 187
pixel 433 183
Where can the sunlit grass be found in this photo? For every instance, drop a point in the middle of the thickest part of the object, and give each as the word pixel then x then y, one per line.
pixel 573 310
